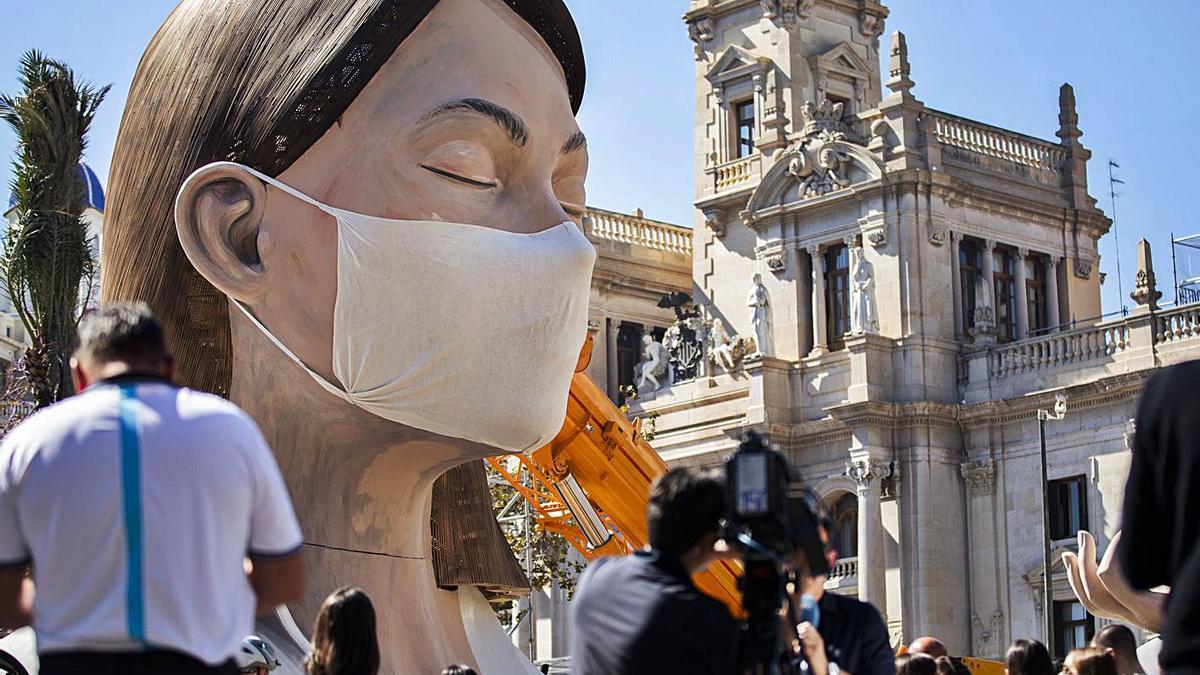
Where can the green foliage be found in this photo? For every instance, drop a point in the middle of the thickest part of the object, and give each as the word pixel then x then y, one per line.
pixel 46 256
pixel 548 551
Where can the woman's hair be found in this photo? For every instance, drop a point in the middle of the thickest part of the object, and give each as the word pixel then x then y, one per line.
pixel 257 83
pixel 1090 661
pixel 916 664
pixel 1028 657
pixel 344 641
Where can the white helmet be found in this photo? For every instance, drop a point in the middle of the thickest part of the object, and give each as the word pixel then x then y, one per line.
pixel 256 653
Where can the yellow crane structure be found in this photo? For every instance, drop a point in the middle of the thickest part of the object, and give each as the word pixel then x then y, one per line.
pixel 592 482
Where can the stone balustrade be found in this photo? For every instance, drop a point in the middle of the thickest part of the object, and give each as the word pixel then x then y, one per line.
pixel 1057 349
pixel 844 569
pixel 1044 158
pixel 735 174
pixel 627 229
pixel 1143 340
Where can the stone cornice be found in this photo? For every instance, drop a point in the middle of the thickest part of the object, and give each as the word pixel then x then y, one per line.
pixel 1100 392
pixel 896 415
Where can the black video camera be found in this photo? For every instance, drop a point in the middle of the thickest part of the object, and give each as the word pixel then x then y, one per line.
pixel 772 521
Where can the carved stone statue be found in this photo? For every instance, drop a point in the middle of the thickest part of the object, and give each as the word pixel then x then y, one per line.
pixel 759 303
pixel 984 314
pixel 653 366
pixel 863 315
pixel 721 346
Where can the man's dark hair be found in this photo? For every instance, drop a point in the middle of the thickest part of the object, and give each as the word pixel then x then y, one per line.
pixel 1029 657
pixel 1119 638
pixel 685 504
pixel 122 331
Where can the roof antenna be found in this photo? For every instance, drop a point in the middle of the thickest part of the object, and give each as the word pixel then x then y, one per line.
pixel 1113 181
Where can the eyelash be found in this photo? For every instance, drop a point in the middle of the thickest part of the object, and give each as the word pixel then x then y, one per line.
pixel 571 210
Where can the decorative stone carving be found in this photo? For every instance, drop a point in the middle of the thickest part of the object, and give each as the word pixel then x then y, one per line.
pixel 863 315
pixel 791 12
pixel 1130 431
pixel 770 8
pixel 891 484
pixel 593 325
pixel 988 639
pixel 870 24
pixel 776 264
pixel 724 350
pixel 653 365
pixel 824 120
pixel 701 31
pixel 877 237
pixel 899 69
pixel 867 473
pixel 935 234
pixel 683 338
pixel 980 476
pixel 1083 269
pixel 1145 291
pixel 823 177
pixel 759 303
pixel 715 220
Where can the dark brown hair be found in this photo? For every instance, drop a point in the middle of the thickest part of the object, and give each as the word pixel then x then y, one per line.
pixel 1028 657
pixel 916 664
pixel 684 505
pixel 344 641
pixel 257 83
pixel 1090 661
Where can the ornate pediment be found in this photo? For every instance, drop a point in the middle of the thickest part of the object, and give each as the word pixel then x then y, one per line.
pixel 734 62
pixel 842 59
pixel 817 168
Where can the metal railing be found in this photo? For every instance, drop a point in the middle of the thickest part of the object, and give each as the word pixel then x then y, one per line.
pixel 627 229
pixel 989 141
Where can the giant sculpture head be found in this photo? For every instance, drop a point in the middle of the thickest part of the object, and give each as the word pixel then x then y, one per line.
pixel 359 219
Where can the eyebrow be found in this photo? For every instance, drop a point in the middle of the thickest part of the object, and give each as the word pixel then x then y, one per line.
pixel 508 120
pixel 576 142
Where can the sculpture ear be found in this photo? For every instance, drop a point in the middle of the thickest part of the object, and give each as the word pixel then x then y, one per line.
pixel 218 215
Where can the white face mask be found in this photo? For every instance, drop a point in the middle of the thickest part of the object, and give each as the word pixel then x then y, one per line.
pixel 462 330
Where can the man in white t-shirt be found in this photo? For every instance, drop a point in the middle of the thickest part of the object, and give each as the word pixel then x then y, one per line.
pixel 137 504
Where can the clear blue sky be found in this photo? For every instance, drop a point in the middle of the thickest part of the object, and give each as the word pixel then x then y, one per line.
pixel 1133 66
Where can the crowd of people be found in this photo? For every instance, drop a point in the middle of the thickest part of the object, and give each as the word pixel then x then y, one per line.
pixel 202 534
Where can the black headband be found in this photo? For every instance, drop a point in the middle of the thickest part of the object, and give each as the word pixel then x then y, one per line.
pixel 327 95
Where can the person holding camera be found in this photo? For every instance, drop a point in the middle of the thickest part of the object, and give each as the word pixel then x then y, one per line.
pixel 641 613
pixel 839 635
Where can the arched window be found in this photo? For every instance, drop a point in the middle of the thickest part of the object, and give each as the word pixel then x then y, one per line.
pixel 844 514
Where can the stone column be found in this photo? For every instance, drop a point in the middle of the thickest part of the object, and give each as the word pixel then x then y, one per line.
pixel 820 339
pixel 868 473
pixel 956 285
pixel 1053 316
pixel 1022 296
pixel 613 377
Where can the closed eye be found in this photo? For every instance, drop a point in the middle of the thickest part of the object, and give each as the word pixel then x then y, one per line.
pixel 455 177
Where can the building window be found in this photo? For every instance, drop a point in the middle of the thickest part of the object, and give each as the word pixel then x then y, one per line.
pixel 1004 276
pixel 1068 507
pixel 1035 294
pixel 970 266
pixel 844 515
pixel 837 295
pixel 744 117
pixel 1073 627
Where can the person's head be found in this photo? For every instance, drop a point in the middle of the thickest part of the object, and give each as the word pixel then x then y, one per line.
pixel 1028 657
pixel 1119 640
pixel 684 515
pixel 928 645
pixel 344 641
pixel 457 111
pixel 460 670
pixel 1090 661
pixel 916 664
pixel 945 666
pixel 119 339
pixel 256 656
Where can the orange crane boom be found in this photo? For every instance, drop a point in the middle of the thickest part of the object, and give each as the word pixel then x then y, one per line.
pixel 592 483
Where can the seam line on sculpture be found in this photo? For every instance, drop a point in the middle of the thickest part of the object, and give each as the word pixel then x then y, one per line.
pixel 355 550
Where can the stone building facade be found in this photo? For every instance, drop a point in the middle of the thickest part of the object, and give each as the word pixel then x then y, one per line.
pixel 916 286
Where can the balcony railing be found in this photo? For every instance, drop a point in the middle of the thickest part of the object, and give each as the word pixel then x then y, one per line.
pixel 627 229
pixel 1057 349
pixel 735 174
pixel 988 141
pixel 844 569
pixel 1178 324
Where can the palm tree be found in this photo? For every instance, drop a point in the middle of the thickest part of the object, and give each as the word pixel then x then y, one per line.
pixel 46 257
